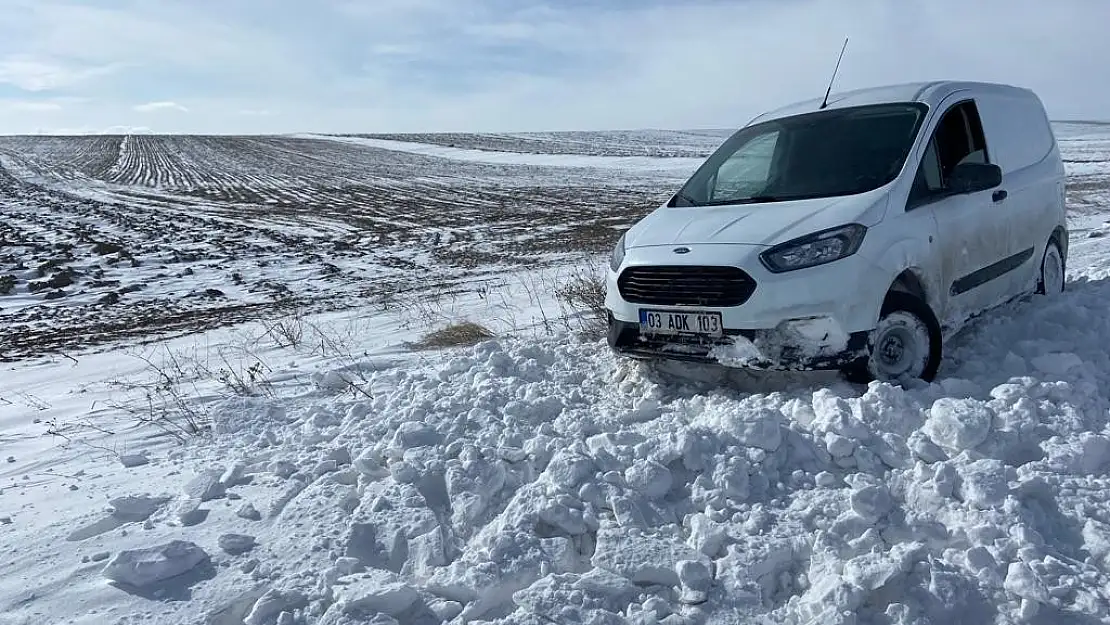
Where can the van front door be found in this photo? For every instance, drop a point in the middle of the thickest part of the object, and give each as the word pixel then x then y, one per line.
pixel 975 239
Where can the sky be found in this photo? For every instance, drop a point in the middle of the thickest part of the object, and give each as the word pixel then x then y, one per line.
pixel 276 66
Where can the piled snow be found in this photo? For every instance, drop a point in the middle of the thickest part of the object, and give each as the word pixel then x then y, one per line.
pixel 547 481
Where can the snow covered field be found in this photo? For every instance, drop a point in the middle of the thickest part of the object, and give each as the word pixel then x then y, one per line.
pixel 533 478
pixel 107 237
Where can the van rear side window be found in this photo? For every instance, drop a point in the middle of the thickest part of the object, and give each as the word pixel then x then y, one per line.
pixel 958 138
pixel 1017 128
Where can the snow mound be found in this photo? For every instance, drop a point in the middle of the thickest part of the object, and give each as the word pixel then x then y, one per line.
pixel 548 481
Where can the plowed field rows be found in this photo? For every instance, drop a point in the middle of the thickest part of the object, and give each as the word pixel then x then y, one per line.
pixel 106 237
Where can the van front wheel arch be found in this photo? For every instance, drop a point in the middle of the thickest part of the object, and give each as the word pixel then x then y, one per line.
pixel 905 344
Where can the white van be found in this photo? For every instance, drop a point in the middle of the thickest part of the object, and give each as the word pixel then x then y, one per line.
pixel 856 236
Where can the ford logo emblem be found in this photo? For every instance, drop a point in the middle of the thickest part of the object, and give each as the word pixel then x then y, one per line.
pixel 681 250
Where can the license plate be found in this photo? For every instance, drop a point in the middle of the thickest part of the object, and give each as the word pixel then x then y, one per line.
pixel 676 322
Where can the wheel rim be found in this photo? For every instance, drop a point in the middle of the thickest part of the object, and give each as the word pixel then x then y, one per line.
pixel 900 347
pixel 1052 272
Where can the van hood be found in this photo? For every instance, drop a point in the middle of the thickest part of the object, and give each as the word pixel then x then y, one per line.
pixel 753 224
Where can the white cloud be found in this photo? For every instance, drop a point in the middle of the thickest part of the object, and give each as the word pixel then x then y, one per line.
pixel 393 49
pixel 29 105
pixel 30 73
pixel 151 107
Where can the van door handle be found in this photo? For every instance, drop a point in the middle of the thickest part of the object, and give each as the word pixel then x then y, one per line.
pixel 999 195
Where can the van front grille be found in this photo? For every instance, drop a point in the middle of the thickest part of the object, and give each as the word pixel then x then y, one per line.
pixel 686 285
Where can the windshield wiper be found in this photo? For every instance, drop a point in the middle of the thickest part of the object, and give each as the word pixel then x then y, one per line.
pixel 755 199
pixel 760 199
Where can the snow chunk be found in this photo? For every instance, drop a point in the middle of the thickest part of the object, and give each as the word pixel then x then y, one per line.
pixel 206 486
pixel 593 597
pixel 1021 581
pixel 271 604
pixel 370 464
pixel 143 567
pixel 445 610
pixel 732 478
pixel 870 570
pixel 249 512
pixel 282 468
pixel 650 478
pixel 740 353
pixel 958 424
pixel 706 536
pixel 640 556
pixel 834 414
pixel 416 434
pixel 136 508
pixel 839 446
pixel 568 469
pixel 233 474
pixel 985 483
pixel 758 427
pixel 763 432
pixel 131 461
pixel 695 579
pixel 236 544
pixel 872 503
pixel 188 511
pixel 427 552
pixel 1096 539
pixel 924 448
pixel 1087 454
pixel 382 526
pixel 374 591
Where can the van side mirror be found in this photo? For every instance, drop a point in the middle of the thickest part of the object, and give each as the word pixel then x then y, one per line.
pixel 973 177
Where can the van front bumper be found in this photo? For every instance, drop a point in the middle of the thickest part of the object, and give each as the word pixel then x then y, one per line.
pixel 778 349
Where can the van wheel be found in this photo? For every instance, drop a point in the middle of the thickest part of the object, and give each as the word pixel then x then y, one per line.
pixel 1052 280
pixel 905 344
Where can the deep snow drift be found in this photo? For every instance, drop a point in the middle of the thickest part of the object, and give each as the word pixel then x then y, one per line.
pixel 546 481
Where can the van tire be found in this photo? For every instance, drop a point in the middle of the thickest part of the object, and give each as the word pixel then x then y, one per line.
pixel 905 323
pixel 1053 278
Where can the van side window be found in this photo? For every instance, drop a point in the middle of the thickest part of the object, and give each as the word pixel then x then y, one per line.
pixel 957 139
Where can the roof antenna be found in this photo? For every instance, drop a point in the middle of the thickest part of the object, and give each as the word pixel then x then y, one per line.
pixel 825 102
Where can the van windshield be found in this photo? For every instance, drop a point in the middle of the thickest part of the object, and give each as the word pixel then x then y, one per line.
pixel 821 154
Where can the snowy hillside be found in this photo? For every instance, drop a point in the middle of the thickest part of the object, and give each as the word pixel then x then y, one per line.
pixel 532 478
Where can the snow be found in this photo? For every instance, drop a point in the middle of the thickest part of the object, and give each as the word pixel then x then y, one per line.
pixel 144 567
pixel 535 478
pixel 236 544
pixel 680 165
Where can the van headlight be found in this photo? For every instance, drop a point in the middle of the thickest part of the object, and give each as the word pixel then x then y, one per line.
pixel 814 249
pixel 617 256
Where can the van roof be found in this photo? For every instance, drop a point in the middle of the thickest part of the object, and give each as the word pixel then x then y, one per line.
pixel 930 93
